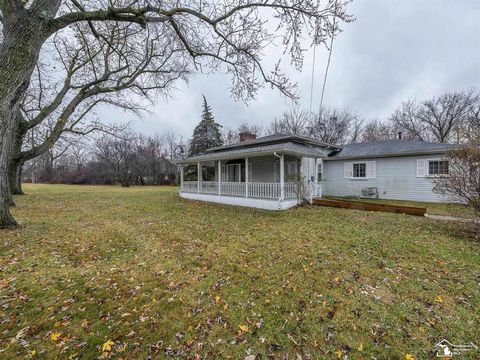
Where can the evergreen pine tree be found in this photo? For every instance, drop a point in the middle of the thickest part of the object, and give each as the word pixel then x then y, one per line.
pixel 206 134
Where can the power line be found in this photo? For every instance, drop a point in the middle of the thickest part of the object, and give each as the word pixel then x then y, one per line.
pixel 329 57
pixel 313 77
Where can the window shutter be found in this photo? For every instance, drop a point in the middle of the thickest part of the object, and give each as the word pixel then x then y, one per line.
pixel 371 169
pixel 421 168
pixel 347 168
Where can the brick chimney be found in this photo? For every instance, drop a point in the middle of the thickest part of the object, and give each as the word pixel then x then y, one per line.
pixel 247 136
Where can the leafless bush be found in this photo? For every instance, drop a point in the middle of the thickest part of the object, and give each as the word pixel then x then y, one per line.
pixel 462 184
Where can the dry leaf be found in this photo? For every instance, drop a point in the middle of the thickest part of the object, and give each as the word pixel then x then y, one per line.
pixel 107 346
pixel 244 328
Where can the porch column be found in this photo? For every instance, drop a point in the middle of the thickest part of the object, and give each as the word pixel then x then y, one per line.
pixel 282 177
pixel 219 177
pixel 199 176
pixel 246 176
pixel 181 177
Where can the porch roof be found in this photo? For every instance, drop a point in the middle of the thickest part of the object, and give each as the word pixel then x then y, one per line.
pixel 287 148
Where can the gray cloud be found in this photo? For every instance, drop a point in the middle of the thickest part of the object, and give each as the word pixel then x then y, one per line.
pixel 394 51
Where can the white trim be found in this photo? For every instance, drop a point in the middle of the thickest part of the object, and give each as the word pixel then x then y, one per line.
pixel 347 170
pixel 199 176
pixel 246 176
pixel 282 177
pixel 371 169
pixel 242 201
pixel 219 176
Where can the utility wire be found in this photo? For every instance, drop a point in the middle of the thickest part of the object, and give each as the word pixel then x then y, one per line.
pixel 329 57
pixel 313 77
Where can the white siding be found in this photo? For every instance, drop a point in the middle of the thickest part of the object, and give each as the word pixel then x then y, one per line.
pixel 395 178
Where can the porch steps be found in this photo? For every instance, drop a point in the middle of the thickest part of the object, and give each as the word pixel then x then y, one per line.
pixel 368 206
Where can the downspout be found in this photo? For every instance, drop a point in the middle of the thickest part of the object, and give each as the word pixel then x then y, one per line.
pixel 280 198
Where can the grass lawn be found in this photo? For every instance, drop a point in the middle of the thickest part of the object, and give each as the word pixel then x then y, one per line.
pixel 131 273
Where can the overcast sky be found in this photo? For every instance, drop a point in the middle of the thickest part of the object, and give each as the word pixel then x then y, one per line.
pixel 394 51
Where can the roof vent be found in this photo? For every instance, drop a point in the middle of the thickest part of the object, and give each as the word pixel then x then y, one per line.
pixel 247 136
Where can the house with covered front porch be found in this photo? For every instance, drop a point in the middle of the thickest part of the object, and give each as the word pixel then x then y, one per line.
pixel 263 173
pixel 277 171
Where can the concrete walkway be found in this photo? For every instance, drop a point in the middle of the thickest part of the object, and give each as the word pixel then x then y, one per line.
pixel 452 218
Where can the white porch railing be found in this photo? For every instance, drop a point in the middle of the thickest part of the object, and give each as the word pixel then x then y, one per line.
pixel 255 189
pixel 189 186
pixel 209 187
pixel 264 190
pixel 232 188
pixel 290 190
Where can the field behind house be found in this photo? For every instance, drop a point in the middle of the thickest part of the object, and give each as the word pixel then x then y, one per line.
pixel 131 273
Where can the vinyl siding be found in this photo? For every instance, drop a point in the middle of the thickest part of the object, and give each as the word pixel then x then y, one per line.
pixel 262 168
pixel 396 178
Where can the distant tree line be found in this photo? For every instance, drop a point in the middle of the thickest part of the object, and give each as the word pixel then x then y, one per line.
pixel 126 158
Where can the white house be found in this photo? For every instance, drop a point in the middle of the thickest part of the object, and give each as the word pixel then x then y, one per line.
pixel 265 172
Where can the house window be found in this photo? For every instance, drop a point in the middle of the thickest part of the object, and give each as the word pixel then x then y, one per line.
pixel 438 167
pixel 319 172
pixel 360 170
pixel 291 170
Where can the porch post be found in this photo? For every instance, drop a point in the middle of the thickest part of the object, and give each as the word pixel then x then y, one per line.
pixel 199 176
pixel 219 177
pixel 246 176
pixel 181 177
pixel 282 177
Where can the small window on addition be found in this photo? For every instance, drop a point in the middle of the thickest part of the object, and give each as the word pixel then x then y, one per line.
pixel 438 168
pixel 360 170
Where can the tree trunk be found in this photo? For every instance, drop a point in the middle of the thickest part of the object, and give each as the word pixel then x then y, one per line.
pixel 7 131
pixel 15 178
pixel 19 52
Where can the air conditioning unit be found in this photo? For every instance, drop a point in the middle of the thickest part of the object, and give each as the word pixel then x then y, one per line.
pixel 370 193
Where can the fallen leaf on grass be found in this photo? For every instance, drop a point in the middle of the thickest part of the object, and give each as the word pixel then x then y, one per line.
pixel 409 357
pixel 339 353
pixel 107 346
pixel 439 299
pixel 244 328
pixel 55 336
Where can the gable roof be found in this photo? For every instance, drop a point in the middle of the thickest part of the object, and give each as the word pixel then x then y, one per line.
pixel 390 148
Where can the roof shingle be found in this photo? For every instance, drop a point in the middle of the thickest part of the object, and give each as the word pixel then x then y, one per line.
pixel 390 148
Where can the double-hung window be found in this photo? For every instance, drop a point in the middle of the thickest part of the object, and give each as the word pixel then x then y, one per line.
pixel 438 167
pixel 359 170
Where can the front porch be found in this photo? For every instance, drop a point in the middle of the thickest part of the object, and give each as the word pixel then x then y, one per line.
pixel 262 190
pixel 262 181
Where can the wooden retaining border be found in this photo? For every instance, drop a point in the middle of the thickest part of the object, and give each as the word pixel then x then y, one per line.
pixel 362 205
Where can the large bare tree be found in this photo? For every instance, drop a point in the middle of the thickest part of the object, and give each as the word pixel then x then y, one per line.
pixel 94 74
pixel 294 121
pixel 334 126
pixel 439 119
pixel 217 34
